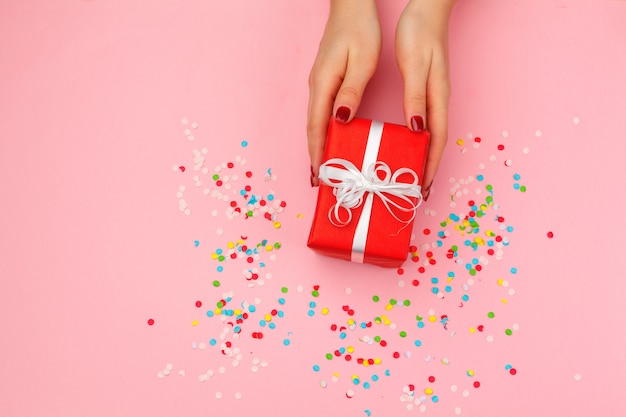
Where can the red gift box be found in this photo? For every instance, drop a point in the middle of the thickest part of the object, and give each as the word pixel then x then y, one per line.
pixel 370 188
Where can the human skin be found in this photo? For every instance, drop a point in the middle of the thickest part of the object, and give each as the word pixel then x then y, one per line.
pixel 347 59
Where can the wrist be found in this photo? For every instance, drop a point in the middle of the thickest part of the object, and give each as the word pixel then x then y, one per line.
pixel 439 8
pixel 354 6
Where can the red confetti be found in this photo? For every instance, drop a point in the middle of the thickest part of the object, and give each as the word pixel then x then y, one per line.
pixel 512 371
pixel 416 283
pixel 431 379
pixel 476 384
pixel 182 168
pixel 198 304
pixel 396 355
pixel 500 147
pixel 426 232
pixel 550 235
pixel 400 271
pixel 150 322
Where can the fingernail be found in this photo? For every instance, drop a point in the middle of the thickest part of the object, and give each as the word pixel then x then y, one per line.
pixel 312 185
pixel 427 191
pixel 312 177
pixel 417 123
pixel 342 114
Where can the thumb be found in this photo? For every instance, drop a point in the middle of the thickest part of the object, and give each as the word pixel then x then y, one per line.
pixel 415 74
pixel 351 91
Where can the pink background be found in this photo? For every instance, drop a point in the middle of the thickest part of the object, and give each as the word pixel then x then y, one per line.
pixel 92 97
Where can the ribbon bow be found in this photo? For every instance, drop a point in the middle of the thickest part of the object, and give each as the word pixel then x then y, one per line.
pixel 352 186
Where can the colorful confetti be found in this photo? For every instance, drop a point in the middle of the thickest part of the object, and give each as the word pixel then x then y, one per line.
pixel 362 342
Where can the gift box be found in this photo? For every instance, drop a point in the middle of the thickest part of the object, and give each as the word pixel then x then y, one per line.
pixel 370 188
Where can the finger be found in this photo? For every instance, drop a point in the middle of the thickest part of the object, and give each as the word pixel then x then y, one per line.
pixel 438 98
pixel 359 72
pixel 438 123
pixel 322 91
pixel 414 70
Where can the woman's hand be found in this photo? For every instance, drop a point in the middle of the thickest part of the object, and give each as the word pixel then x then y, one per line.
pixel 346 60
pixel 422 56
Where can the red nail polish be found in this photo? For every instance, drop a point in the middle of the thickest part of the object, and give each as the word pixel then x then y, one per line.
pixel 417 123
pixel 342 114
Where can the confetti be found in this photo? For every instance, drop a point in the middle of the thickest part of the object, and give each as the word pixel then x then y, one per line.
pixel 363 342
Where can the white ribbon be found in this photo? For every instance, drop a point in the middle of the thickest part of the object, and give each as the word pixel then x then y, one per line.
pixel 352 187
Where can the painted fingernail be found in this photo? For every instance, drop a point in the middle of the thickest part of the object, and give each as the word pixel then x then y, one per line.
pixel 417 123
pixel 342 114
pixel 427 191
pixel 312 177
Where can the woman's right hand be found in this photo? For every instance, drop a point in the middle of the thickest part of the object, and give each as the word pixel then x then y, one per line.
pixel 346 60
